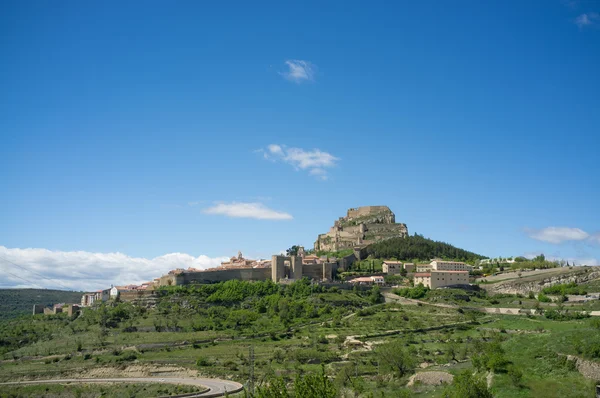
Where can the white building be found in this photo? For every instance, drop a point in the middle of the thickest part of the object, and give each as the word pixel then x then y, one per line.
pixel 114 292
pixel 443 265
pixel 368 280
pixel 435 279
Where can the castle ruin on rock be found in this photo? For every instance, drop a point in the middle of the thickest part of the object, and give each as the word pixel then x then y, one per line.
pixel 361 226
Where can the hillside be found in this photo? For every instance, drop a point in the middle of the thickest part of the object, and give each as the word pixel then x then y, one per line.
pixel 15 302
pixel 418 247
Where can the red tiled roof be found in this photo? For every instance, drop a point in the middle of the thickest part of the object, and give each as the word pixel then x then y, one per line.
pixel 422 274
pixel 451 272
pixel 392 262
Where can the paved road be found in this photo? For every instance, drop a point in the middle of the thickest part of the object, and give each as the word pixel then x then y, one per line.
pixel 216 387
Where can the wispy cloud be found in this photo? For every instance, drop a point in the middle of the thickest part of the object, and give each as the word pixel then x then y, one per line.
pixel 88 271
pixel 299 71
pixel 247 210
pixel 315 161
pixel 595 238
pixel 557 234
pixel 587 19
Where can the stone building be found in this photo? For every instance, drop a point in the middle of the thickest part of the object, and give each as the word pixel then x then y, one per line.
pixel 360 227
pixel 436 279
pixel 443 265
pixel 392 267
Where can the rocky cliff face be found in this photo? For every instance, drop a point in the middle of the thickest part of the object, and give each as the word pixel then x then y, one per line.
pixel 518 286
pixel 361 226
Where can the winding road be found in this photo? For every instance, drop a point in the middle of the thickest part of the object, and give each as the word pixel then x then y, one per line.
pixel 216 387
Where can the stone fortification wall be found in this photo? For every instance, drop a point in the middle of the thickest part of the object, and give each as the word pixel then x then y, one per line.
pixel 361 226
pixel 366 211
pixel 244 274
pixel 319 271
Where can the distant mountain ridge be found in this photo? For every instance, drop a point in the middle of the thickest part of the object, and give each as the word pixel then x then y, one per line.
pixel 16 302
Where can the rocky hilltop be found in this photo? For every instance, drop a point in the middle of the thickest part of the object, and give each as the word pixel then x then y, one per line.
pixel 360 227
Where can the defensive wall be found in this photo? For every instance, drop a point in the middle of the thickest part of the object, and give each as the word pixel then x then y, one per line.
pixel 282 268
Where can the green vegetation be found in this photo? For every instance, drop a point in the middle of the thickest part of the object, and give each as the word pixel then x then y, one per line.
pixel 121 390
pixel 564 289
pixel 337 254
pixel 520 263
pixel 419 248
pixel 314 341
pixel 17 302
pixel 416 292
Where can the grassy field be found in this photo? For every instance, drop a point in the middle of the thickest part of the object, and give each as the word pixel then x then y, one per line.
pixel 93 390
pixel 298 330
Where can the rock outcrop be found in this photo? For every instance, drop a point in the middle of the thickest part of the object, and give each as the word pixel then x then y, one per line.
pixel 526 285
pixel 360 227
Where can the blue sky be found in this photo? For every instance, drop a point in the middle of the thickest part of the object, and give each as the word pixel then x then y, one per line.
pixel 151 128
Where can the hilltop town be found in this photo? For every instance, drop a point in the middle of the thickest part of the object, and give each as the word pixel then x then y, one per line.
pixel 377 310
pixel 334 252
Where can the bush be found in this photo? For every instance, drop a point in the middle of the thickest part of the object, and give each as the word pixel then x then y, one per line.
pixel 127 358
pixel 564 289
pixel 466 385
pixel 416 292
pixel 515 375
pixel 202 361
pixel 542 298
pixel 556 315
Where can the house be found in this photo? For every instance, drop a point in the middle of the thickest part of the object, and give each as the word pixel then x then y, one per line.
pixel 392 267
pixel 88 299
pixel 442 265
pixel 409 267
pixel 435 279
pixel 114 292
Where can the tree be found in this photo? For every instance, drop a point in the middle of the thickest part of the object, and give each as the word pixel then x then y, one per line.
pixel 292 251
pixel 375 296
pixel 396 357
pixel 467 385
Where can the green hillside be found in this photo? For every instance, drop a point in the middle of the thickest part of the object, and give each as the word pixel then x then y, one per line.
pixel 15 302
pixel 418 247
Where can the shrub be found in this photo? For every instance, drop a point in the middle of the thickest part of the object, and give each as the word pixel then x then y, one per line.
pixel 542 298
pixel 202 361
pixel 515 374
pixel 127 358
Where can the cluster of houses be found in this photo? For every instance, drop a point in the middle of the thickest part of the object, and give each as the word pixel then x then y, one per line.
pixel 438 273
pixel 88 299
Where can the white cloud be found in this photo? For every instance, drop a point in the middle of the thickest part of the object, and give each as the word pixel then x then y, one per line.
pixel 247 210
pixel 558 234
pixel 299 71
pixel 81 270
pixel 315 161
pixel 587 19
